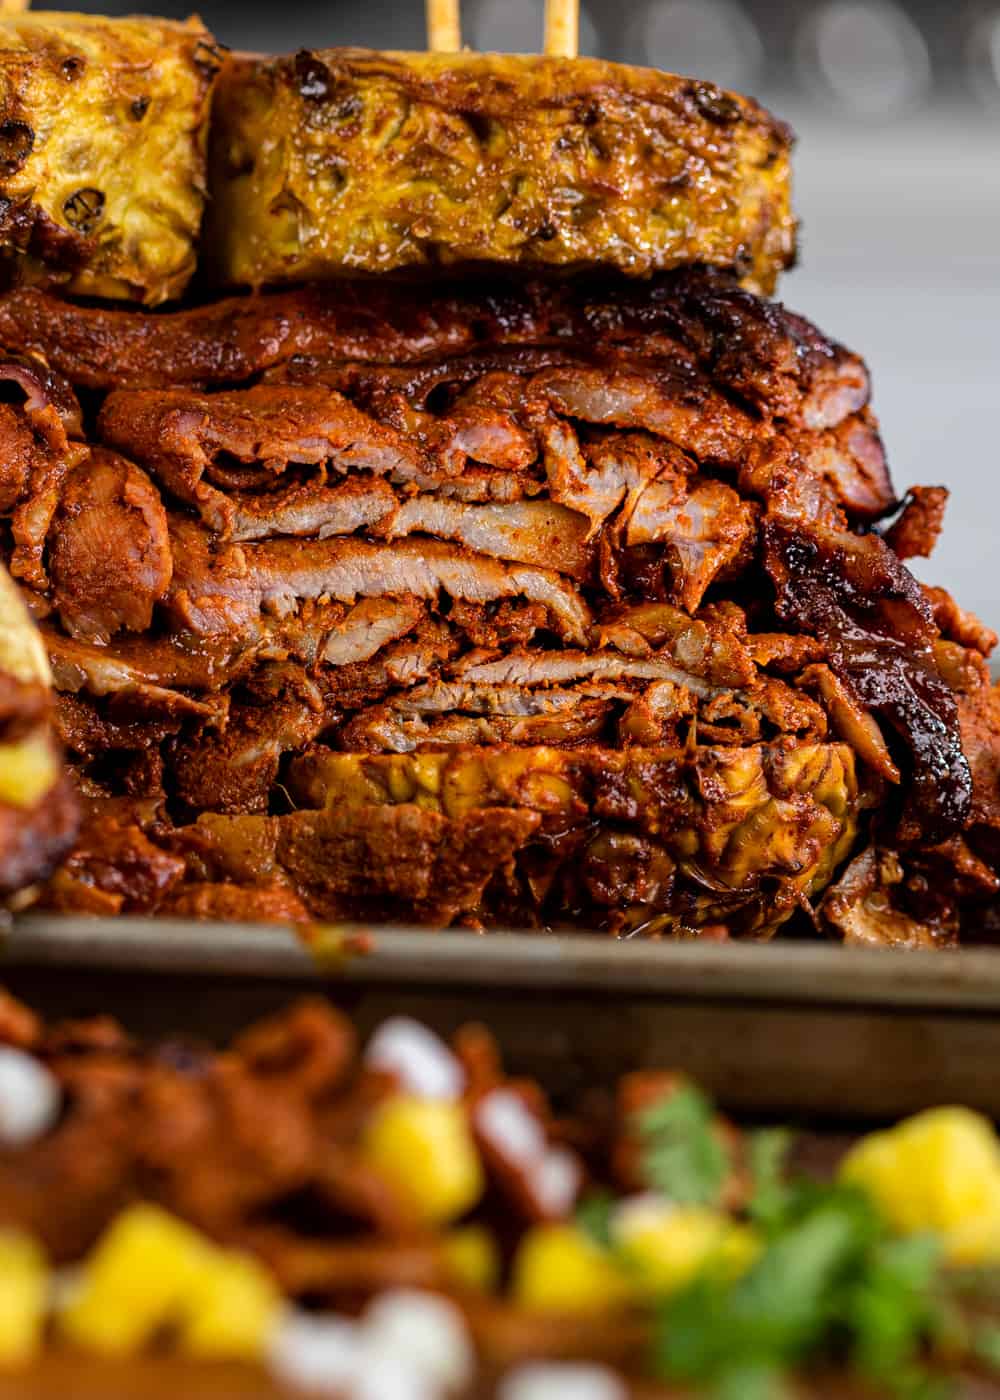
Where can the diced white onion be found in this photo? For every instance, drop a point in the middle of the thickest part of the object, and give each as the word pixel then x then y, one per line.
pixel 425 1330
pixel 505 1121
pixel 30 1098
pixel 554 1380
pixel 636 1214
pixel 555 1181
pixel 418 1059
pixel 321 1355
pixel 384 1377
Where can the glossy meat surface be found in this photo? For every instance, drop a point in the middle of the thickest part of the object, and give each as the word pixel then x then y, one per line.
pixel 756 348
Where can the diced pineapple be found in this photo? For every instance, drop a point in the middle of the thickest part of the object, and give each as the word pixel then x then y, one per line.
pixel 22 651
pixel 472 1257
pixel 428 1335
pixel 936 1172
pixel 232 1311
pixel 23 1291
pixel 28 768
pixel 667 1245
pixel 137 1280
pixel 559 1268
pixel 424 1149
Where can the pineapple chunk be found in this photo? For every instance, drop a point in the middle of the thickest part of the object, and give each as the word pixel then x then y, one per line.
pixel 337 161
pixel 103 153
pixel 424 1149
pixel 936 1172
pixel 472 1257
pixel 22 651
pixel 23 1293
pixel 559 1268
pixel 139 1279
pixel 665 1245
pixel 233 1310
pixel 28 769
pixel 752 822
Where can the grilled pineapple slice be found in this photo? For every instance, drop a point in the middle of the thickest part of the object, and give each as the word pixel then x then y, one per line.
pixel 103 132
pixel 37 813
pixel 29 767
pixel 653 838
pixel 22 653
pixel 346 160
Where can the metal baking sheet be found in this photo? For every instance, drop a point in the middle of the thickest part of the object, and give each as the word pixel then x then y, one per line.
pixel 814 973
pixel 805 1030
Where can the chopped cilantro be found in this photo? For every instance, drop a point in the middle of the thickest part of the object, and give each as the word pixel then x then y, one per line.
pixel 986 1346
pixel 767 1319
pixel 831 1285
pixel 750 1383
pixel 767 1152
pixel 683 1154
pixel 593 1215
pixel 829 1282
pixel 889 1306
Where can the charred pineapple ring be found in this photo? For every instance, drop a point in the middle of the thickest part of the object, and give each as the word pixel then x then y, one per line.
pixel 346 160
pixel 37 816
pixel 658 839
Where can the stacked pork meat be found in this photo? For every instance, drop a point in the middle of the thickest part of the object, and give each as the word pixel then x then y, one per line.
pixel 532 603
pixel 493 552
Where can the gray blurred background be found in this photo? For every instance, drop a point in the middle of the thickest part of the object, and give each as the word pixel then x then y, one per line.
pixel 897 106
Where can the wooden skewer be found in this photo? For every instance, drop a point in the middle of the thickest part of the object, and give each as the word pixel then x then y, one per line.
pixel 562 27
pixel 444 26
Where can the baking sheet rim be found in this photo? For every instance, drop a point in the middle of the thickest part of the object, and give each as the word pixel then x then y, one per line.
pixel 813 974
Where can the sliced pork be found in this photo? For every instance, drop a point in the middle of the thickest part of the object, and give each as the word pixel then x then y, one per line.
pixel 876 625
pixel 557 668
pixel 682 408
pixel 754 348
pixel 42 389
pixel 215 592
pixel 528 532
pixel 390 729
pixel 614 469
pixel 181 435
pixel 36 458
pixel 609 573
pixel 704 531
pixel 233 768
pixel 368 627
pixel 915 531
pixel 109 559
pixel 311 509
